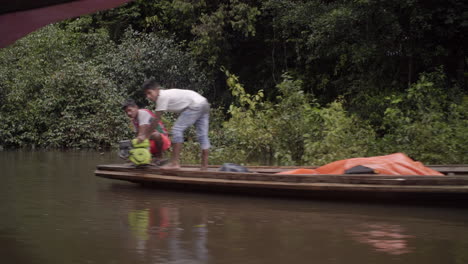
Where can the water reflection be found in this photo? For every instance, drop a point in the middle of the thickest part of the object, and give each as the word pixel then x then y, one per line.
pixel 54 210
pixel 162 230
pixel 164 222
pixel 384 237
pixel 184 227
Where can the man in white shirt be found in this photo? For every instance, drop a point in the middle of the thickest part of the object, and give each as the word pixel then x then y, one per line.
pixel 193 109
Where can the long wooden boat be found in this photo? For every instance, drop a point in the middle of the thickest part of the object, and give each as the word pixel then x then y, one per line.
pixel 264 180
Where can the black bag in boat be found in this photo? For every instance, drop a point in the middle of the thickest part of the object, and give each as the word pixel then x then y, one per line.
pixel 231 167
pixel 359 169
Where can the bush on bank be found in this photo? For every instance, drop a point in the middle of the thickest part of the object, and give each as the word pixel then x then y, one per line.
pixel 60 88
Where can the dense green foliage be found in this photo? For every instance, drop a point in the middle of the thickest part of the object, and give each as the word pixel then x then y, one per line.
pixel 293 129
pixel 63 89
pixel 53 96
pixel 142 56
pixel 424 122
pixel 290 81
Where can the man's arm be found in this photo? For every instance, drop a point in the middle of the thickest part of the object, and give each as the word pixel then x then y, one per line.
pixel 145 131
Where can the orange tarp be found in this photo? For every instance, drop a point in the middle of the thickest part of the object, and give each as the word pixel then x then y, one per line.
pixel 393 164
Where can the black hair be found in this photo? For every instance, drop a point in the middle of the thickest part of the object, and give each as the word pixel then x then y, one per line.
pixel 129 102
pixel 150 84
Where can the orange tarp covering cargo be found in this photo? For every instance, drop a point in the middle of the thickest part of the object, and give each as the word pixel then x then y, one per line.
pixel 393 164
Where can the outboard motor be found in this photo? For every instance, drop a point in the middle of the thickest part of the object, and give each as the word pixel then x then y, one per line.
pixel 137 153
pixel 124 149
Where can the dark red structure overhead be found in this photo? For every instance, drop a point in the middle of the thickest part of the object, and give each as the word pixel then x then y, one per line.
pixel 19 18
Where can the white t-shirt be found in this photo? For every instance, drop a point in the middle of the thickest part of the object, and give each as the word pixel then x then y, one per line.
pixel 144 118
pixel 176 100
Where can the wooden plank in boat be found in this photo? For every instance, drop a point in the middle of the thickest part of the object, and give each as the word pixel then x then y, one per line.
pixel 453 169
pixel 461 169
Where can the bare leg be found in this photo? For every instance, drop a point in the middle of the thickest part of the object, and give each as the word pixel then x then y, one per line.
pixel 158 140
pixel 204 159
pixel 174 163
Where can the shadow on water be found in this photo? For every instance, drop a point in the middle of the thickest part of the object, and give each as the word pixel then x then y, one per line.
pixel 443 200
pixel 287 203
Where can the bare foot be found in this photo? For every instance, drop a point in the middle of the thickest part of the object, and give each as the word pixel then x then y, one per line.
pixel 170 166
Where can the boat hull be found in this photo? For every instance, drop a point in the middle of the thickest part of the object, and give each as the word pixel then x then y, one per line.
pixel 265 181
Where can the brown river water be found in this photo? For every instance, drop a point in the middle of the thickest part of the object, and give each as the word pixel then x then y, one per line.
pixel 54 210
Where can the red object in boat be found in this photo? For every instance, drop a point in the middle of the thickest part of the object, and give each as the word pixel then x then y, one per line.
pixel 393 164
